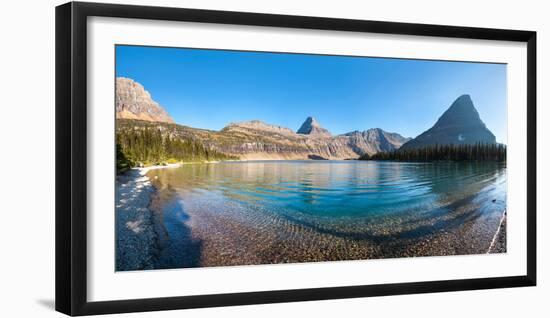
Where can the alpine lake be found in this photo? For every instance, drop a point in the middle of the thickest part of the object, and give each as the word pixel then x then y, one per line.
pixel 269 212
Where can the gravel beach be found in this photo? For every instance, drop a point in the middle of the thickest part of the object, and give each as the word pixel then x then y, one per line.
pixel 136 238
pixel 499 241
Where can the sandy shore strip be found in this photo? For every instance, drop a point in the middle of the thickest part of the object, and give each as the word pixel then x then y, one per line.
pixel 135 230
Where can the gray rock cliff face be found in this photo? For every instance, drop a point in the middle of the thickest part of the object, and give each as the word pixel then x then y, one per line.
pixel 259 125
pixel 257 140
pixel 375 140
pixel 134 102
pixel 460 124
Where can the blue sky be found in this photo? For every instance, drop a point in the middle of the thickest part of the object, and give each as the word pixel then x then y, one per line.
pixel 211 88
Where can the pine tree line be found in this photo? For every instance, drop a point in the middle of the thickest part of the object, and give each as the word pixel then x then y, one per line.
pixel 475 152
pixel 148 146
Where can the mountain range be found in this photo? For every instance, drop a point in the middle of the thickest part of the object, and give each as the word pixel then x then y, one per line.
pixel 248 140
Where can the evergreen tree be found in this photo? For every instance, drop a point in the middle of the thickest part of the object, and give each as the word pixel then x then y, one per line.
pixel 149 145
pixel 475 152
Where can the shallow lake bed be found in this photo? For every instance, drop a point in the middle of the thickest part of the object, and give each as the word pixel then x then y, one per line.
pixel 268 212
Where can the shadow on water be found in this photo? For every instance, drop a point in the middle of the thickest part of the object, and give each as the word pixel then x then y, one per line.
pixel 177 248
pixel 440 197
pixel 417 232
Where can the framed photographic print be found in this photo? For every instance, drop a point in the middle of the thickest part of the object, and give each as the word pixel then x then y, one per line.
pixel 210 158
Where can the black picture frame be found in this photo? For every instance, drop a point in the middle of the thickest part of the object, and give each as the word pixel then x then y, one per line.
pixel 71 157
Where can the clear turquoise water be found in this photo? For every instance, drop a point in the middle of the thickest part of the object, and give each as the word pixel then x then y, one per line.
pixel 376 203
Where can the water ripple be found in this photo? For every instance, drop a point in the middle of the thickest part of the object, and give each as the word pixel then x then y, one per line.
pixel 355 208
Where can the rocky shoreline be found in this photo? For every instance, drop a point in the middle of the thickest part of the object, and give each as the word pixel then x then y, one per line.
pixel 498 245
pixel 135 226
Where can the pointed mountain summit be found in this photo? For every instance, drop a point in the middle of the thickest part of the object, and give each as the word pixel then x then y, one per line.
pixel 461 112
pixel 460 124
pixel 313 128
pixel 134 102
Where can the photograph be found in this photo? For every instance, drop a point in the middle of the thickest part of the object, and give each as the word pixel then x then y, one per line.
pixel 273 159
pixel 238 158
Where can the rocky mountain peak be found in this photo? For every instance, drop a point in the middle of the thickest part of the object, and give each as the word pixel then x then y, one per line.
pixel 461 112
pixel 459 124
pixel 313 128
pixel 375 140
pixel 134 102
